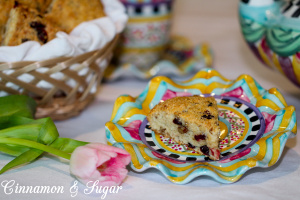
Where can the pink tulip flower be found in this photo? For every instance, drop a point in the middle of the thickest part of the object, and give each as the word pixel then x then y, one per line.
pixel 101 163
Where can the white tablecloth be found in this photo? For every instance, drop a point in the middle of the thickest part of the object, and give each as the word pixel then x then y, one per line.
pixel 216 22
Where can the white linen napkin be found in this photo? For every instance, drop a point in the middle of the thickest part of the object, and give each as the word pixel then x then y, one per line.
pixel 87 36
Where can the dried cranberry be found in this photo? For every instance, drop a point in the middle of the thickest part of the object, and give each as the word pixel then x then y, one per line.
pixel 191 146
pixel 207 112
pixel 43 36
pixel 16 4
pixel 183 129
pixel 40 29
pixel 204 149
pixel 25 40
pixel 207 116
pixel 200 137
pixel 37 25
pixel 162 130
pixel 177 121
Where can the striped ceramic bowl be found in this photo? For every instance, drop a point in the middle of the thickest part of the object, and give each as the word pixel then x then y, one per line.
pixel 272 30
pixel 255 124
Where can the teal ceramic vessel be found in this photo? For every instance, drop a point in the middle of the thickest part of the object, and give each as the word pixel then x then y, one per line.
pixel 271 28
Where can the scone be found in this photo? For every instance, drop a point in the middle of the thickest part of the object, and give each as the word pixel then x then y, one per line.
pixel 40 20
pixel 26 24
pixel 191 121
pixel 7 5
pixel 67 14
pixel 39 5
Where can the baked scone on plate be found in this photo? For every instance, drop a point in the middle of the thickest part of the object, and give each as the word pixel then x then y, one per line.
pixel 191 121
pixel 24 24
pixel 67 14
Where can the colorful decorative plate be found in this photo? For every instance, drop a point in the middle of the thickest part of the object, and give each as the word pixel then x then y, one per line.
pixel 255 124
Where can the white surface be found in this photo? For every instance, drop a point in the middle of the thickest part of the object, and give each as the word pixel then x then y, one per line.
pixel 216 22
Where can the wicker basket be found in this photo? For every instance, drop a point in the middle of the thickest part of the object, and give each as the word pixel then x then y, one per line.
pixel 61 100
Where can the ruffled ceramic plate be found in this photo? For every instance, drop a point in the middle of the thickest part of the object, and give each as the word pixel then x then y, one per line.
pixel 181 58
pixel 255 125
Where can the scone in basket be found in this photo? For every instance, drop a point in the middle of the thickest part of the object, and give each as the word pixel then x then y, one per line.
pixel 63 84
pixel 80 77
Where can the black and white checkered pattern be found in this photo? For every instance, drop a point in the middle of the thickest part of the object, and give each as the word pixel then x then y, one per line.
pixel 149 139
pixel 258 2
pixel 162 8
pixel 291 8
pixel 253 119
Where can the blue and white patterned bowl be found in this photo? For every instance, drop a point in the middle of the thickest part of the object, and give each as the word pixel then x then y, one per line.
pixel 146 34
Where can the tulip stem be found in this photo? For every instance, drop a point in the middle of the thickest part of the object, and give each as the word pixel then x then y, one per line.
pixel 36 145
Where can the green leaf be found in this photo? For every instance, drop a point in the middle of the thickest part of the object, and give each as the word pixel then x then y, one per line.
pixel 36 145
pixel 38 135
pixel 41 131
pixel 15 105
pixel 26 138
pixel 27 131
pixel 13 150
pixel 48 132
pixel 25 157
pixel 67 145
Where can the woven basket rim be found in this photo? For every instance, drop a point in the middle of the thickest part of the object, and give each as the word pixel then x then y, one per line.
pixel 20 64
pixel 61 99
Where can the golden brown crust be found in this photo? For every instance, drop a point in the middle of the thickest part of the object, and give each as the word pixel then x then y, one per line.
pixel 67 14
pixel 26 24
pixel 39 5
pixel 192 109
pixel 40 20
pixel 5 7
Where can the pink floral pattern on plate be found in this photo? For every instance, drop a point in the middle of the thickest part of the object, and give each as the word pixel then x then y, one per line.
pixel 269 120
pixel 171 94
pixel 237 93
pixel 243 153
pixel 133 129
